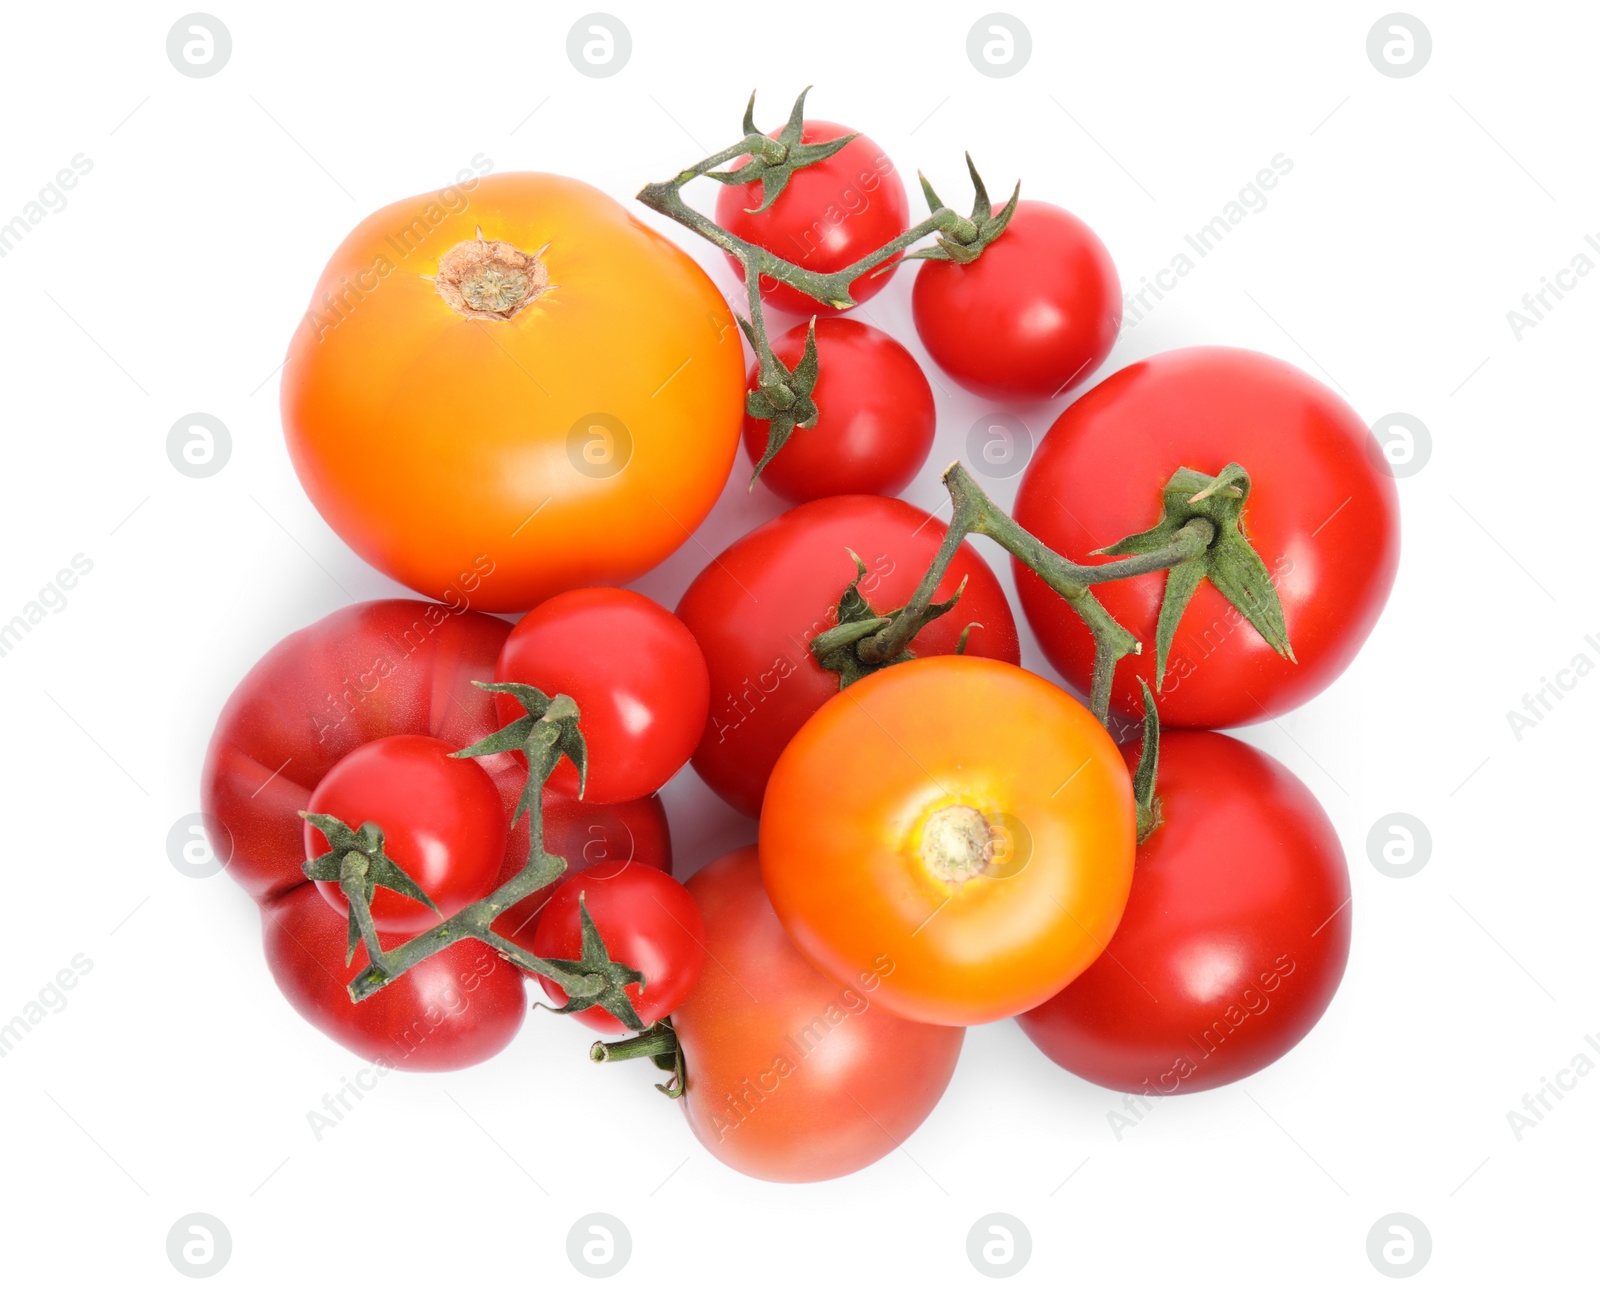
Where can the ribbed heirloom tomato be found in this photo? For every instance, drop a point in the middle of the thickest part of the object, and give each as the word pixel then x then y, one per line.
pixel 961 816
pixel 500 394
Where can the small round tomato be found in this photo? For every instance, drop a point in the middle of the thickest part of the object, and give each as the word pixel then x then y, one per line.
pixel 1234 939
pixel 790 1076
pixel 755 609
pixel 832 213
pixel 1322 514
pixel 962 817
pixel 457 1008
pixel 1031 317
pixel 646 919
pixel 875 416
pixel 442 820
pixel 637 675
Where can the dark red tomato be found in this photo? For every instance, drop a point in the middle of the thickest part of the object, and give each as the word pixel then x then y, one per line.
pixel 1234 938
pixel 588 835
pixel 1032 317
pixel 1322 514
pixel 646 919
pixel 791 1076
pixel 875 416
pixel 638 678
pixel 369 671
pixel 455 1009
pixel 443 823
pixel 832 214
pixel 755 609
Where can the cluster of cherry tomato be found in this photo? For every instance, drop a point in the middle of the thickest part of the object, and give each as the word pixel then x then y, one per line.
pixel 948 840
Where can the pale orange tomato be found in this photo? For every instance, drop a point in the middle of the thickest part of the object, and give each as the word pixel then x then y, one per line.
pixel 503 394
pixel 960 819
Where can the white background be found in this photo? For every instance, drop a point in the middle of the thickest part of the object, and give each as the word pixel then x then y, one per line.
pixel 1417 214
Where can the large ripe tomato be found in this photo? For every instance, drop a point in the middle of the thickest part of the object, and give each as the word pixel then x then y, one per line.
pixel 494 418
pixel 1234 939
pixel 755 609
pixel 638 678
pixel 791 1076
pixel 832 213
pixel 443 821
pixel 875 416
pixel 457 1008
pixel 1322 513
pixel 647 921
pixel 1033 316
pixel 961 816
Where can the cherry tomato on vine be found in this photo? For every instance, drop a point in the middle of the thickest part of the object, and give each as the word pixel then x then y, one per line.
pixel 646 919
pixel 457 1008
pixel 755 609
pixel 1234 939
pixel 636 674
pixel 875 418
pixel 965 818
pixel 1322 513
pixel 832 213
pixel 791 1076
pixel 442 819
pixel 1033 316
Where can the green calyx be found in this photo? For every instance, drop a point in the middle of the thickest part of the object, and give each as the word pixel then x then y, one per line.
pixel 964 240
pixel 607 980
pixel 356 862
pixel 774 159
pixel 546 731
pixel 782 397
pixel 1146 805
pixel 835 649
pixel 1227 560
pixel 659 1044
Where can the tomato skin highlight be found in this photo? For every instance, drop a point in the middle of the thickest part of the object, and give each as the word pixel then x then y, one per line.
pixel 1032 317
pixel 459 455
pixel 861 807
pixel 875 416
pixel 646 919
pixel 1322 514
pixel 637 676
pixel 756 607
pixel 790 1075
pixel 1235 936
pixel 832 213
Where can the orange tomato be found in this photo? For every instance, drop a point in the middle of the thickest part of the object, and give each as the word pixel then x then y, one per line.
pixel 961 817
pixel 501 394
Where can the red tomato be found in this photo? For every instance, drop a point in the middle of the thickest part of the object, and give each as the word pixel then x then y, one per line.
pixel 1234 938
pixel 1321 514
pixel 832 213
pixel 646 919
pixel 1032 317
pixel 755 609
pixel 875 416
pixel 457 1008
pixel 443 823
pixel 789 1075
pixel 636 674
